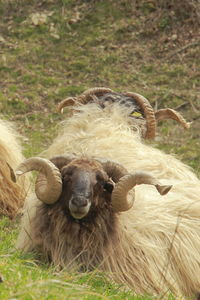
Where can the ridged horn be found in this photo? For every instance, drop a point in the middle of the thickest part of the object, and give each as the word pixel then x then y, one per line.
pixel 70 101
pixel 114 170
pixel 96 91
pixel 83 98
pixel 48 185
pixel 148 112
pixel 120 199
pixel 61 161
pixel 168 113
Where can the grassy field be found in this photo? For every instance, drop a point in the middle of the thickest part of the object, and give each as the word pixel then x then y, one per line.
pixel 57 48
pixel 24 277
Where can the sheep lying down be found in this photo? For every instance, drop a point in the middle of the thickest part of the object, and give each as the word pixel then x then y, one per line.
pixel 12 194
pixel 91 213
pixel 141 113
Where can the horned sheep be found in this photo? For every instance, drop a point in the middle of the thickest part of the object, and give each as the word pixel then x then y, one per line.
pixel 84 215
pixel 12 194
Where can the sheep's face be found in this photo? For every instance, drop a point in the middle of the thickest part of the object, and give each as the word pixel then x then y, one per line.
pixel 85 186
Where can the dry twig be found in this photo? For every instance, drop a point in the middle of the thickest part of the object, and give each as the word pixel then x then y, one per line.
pixel 184 48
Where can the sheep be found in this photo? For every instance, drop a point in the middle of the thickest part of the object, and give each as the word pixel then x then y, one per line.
pixel 142 113
pixel 12 194
pixel 151 244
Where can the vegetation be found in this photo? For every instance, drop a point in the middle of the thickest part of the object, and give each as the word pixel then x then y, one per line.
pixel 51 49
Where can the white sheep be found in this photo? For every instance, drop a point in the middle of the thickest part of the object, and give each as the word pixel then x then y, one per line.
pixel 141 114
pixel 12 194
pixel 153 246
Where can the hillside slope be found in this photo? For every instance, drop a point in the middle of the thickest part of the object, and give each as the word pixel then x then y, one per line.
pixel 51 49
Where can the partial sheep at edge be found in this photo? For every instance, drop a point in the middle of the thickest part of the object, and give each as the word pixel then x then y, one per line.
pixel 12 194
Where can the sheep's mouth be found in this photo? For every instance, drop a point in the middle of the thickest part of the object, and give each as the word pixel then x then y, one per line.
pixel 77 215
pixel 79 212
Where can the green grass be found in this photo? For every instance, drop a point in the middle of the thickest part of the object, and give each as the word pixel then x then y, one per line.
pixel 25 277
pixel 85 44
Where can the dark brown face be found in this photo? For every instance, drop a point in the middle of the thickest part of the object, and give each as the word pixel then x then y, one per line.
pixel 84 186
pixel 124 100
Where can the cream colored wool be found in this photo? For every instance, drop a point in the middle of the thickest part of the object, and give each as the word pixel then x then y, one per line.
pixel 12 195
pixel 158 245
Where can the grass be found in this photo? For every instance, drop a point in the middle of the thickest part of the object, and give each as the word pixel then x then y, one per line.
pixel 25 277
pixel 80 45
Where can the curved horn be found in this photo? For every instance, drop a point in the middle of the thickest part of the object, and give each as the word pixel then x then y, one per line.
pixel 148 112
pixel 48 184
pixel 70 101
pixel 168 113
pixel 120 199
pixel 83 98
pixel 61 161
pixel 113 169
pixel 97 91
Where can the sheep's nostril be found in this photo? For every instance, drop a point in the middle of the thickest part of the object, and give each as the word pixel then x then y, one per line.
pixel 79 207
pixel 79 201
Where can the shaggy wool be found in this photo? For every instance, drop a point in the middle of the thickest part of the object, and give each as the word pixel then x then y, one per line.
pixel 154 247
pixel 12 194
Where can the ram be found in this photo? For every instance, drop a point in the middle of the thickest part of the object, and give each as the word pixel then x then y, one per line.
pixel 12 194
pixel 85 215
pixel 141 114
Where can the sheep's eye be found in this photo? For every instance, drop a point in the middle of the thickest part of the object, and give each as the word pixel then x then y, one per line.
pixel 108 186
pixel 99 178
pixel 67 171
pixel 67 175
pixel 66 178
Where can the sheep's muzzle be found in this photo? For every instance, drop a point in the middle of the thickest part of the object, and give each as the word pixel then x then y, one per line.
pixel 79 206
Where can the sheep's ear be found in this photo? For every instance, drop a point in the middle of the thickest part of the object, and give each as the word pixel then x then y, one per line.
pixel 108 186
pixel 12 174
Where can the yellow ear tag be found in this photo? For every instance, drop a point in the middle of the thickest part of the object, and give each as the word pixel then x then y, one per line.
pixel 136 114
